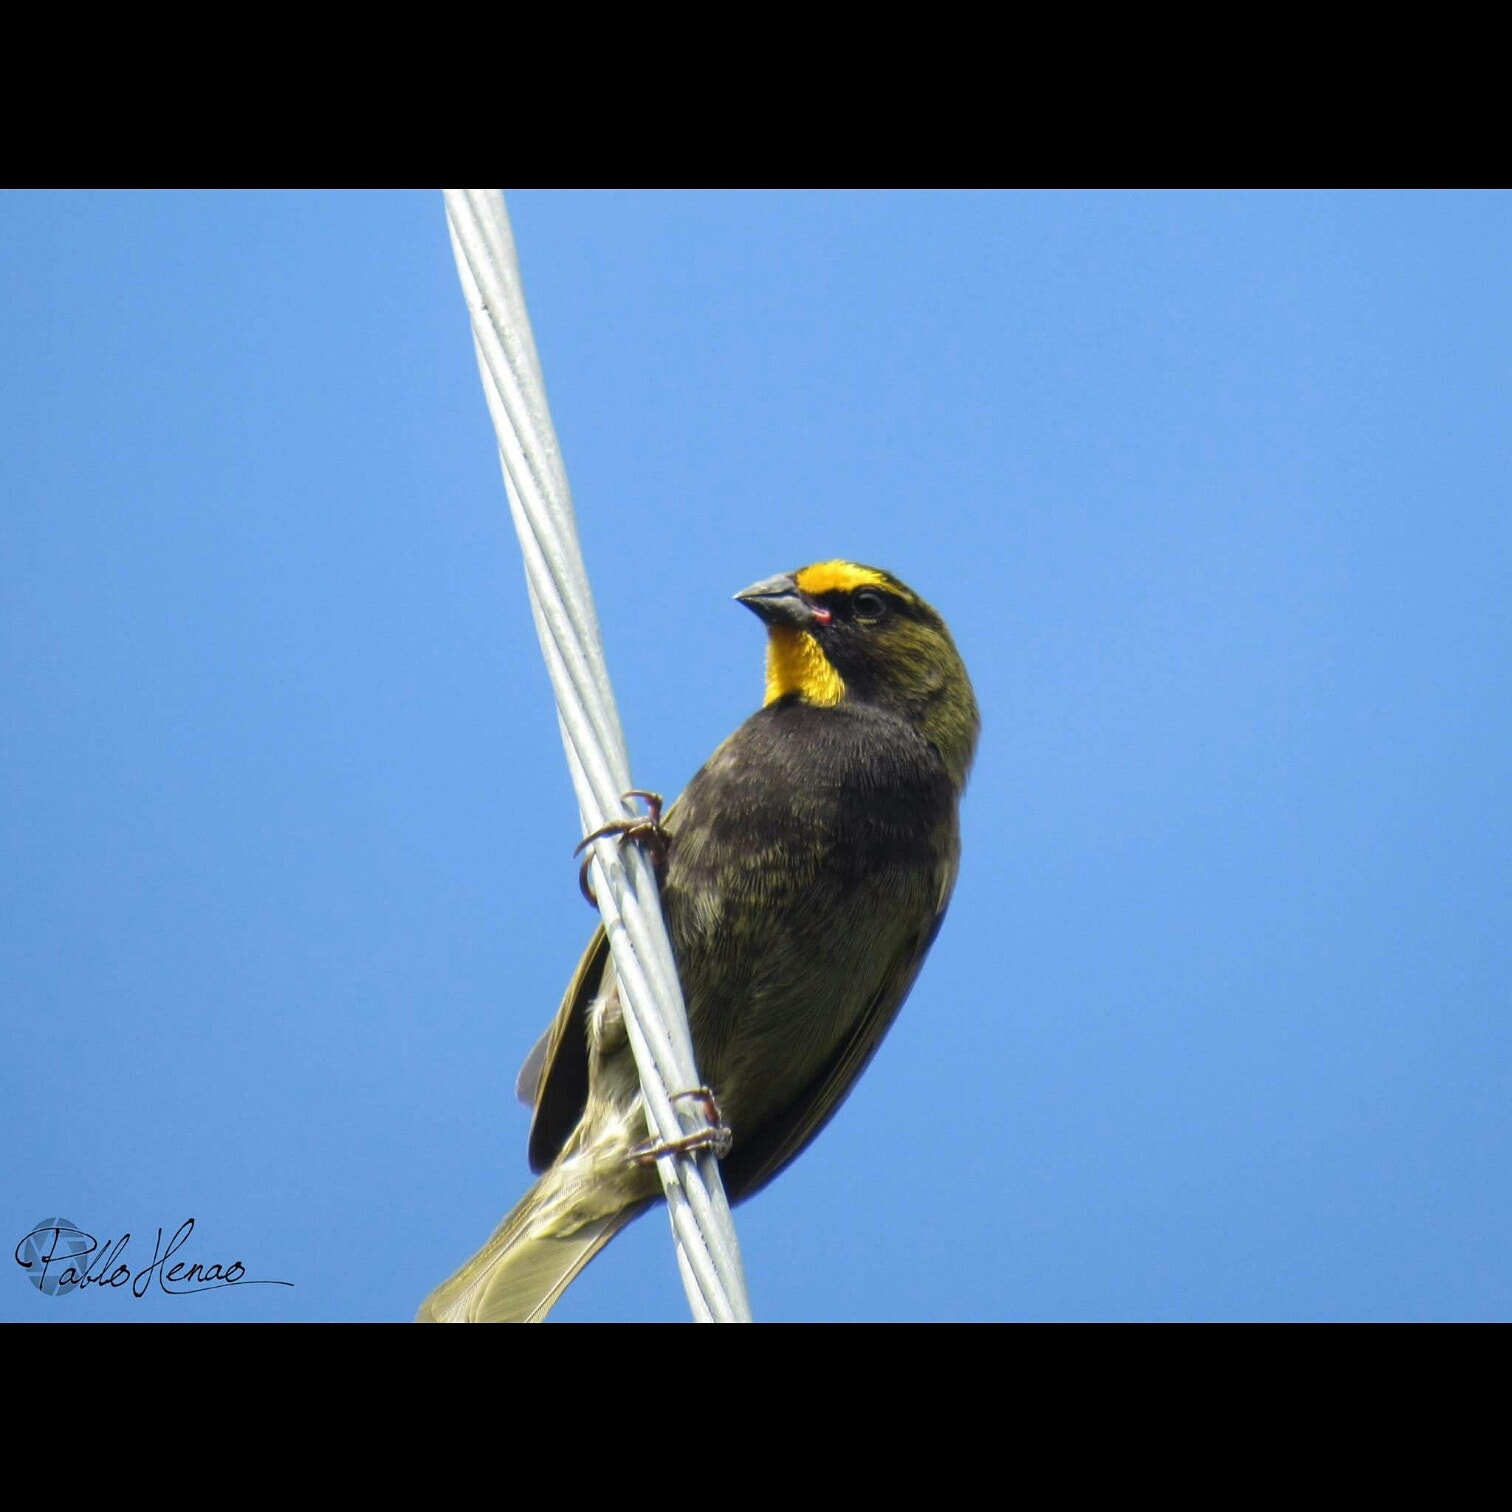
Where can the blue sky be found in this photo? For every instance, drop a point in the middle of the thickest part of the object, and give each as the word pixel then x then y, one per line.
pixel 1213 489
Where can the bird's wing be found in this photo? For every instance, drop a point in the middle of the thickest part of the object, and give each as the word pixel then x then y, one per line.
pixel 554 1077
pixel 755 1161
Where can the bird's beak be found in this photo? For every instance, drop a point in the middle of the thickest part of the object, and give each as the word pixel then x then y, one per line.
pixel 778 602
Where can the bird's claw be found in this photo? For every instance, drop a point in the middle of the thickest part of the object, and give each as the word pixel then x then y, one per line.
pixel 714 1136
pixel 645 828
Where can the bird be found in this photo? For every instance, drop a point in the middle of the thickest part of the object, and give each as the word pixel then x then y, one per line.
pixel 805 871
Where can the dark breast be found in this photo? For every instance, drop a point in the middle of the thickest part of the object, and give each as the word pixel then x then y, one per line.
pixel 808 861
pixel 858 786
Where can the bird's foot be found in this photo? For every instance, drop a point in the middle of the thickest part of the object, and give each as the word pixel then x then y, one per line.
pixel 715 1134
pixel 644 828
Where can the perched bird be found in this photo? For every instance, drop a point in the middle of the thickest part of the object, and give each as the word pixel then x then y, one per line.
pixel 808 866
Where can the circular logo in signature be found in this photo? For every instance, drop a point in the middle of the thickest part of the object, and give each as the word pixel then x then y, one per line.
pixel 46 1252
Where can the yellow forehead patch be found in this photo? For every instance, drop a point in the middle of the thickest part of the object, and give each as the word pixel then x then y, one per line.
pixel 828 577
pixel 795 664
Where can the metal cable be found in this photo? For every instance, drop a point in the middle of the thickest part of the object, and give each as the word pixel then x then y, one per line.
pixel 561 602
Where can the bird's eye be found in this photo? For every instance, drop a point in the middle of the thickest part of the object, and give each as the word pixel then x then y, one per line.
pixel 869 605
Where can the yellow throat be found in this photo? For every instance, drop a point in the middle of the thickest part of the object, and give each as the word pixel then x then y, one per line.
pixel 795 664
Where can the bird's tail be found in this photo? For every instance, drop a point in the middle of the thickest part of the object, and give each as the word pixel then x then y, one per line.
pixel 519 1274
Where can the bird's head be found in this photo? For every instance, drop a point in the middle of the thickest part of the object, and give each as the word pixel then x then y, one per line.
pixel 838 630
